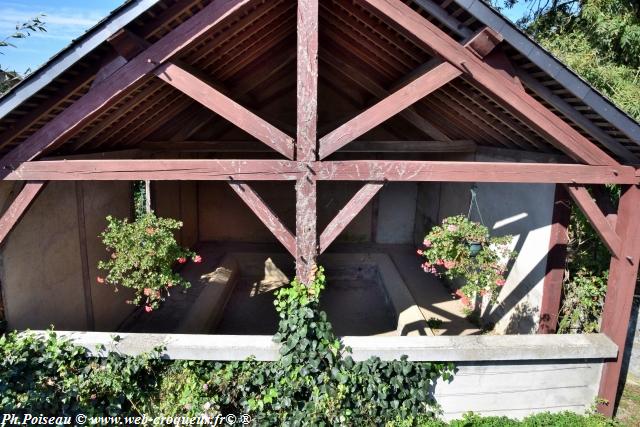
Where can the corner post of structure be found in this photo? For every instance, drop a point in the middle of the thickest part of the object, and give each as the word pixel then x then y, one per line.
pixel 556 261
pixel 620 289
pixel 306 150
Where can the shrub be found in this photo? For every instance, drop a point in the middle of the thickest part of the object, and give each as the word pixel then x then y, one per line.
pixel 142 255
pixel 463 249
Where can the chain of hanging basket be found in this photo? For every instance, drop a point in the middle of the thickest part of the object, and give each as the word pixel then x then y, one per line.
pixel 474 201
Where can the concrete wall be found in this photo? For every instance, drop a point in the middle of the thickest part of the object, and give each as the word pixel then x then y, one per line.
pixel 521 210
pixel 47 276
pixel 514 376
pixel 222 216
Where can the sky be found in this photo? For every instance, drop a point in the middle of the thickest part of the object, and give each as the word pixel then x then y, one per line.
pixel 65 20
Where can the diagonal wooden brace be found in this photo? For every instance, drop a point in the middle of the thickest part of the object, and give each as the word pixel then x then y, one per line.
pixel 491 81
pixel 264 213
pixel 18 207
pixel 224 106
pixel 596 218
pixel 422 82
pixel 110 90
pixel 348 213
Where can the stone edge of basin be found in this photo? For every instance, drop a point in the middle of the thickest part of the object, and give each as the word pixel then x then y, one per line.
pixel 422 348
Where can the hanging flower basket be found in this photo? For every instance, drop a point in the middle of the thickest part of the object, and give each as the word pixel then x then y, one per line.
pixel 463 249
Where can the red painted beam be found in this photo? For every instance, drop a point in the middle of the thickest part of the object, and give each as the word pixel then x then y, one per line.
pixel 306 150
pixel 348 213
pixel 157 170
pixel 504 90
pixel 444 171
pixel 225 107
pixel 419 84
pixel 106 93
pixel 596 218
pixel 18 207
pixel 388 107
pixel 556 263
pixel 353 170
pixel 623 274
pixel 264 213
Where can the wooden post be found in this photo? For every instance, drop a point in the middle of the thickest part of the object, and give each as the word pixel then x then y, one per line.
pixel 620 288
pixel 306 150
pixel 556 260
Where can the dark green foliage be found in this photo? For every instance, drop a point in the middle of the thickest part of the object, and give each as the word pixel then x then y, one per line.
pixel 51 376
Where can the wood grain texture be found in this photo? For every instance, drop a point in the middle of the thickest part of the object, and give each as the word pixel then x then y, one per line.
pixel 504 90
pixel 224 106
pixel 106 93
pixel 158 170
pixel 348 213
pixel 621 286
pixel 306 225
pixel 445 171
pixel 307 85
pixel 388 107
pixel 265 214
pixel 18 207
pixel 556 262
pixel 598 221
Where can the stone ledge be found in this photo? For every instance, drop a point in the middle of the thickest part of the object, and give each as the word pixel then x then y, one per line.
pixel 441 348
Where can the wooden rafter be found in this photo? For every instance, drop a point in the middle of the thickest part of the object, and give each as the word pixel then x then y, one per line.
pixel 101 96
pixel 420 84
pixel 348 213
pixel 225 107
pixel 504 90
pixel 598 221
pixel 18 207
pixel 264 213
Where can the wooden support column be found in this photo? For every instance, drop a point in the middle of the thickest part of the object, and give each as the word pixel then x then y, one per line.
pixel 620 288
pixel 348 213
pixel 306 150
pixel 19 206
pixel 556 262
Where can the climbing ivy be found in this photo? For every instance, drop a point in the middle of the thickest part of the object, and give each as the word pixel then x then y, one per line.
pixel 314 382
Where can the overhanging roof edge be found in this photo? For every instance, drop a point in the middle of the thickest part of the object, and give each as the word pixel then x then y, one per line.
pixel 74 52
pixel 553 66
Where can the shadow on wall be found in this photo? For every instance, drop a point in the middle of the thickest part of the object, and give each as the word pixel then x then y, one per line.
pixel 524 211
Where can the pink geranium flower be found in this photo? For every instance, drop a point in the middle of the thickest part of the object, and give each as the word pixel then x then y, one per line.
pixel 452 228
pixel 440 262
pixel 197 259
pixel 147 291
pixel 427 243
pixel 420 252
pixel 182 260
pixel 100 280
pixel 449 264
pixel 148 308
pixel 500 282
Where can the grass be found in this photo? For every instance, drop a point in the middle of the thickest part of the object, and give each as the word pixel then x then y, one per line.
pixel 628 414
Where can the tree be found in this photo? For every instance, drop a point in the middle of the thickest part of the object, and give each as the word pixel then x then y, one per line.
pixel 8 77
